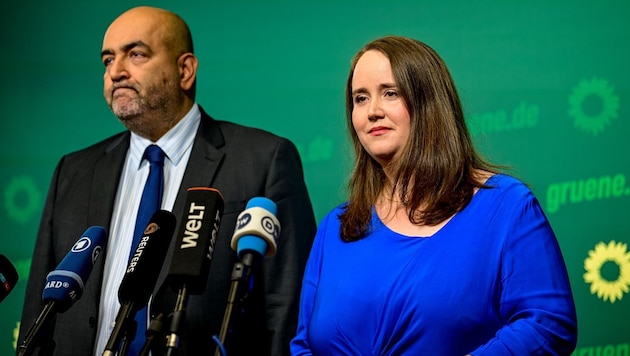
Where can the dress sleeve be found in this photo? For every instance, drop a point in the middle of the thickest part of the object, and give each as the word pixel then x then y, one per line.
pixel 300 344
pixel 536 307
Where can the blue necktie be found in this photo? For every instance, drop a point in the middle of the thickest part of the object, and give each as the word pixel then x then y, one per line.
pixel 150 203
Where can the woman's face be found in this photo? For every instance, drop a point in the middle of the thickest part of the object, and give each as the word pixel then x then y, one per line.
pixel 379 115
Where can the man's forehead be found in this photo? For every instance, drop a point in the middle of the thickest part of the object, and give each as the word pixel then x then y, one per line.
pixel 122 35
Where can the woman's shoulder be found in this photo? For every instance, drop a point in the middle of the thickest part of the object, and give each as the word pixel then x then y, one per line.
pixel 504 180
pixel 502 185
pixel 335 212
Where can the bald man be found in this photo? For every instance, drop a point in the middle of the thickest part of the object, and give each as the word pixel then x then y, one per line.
pixel 149 84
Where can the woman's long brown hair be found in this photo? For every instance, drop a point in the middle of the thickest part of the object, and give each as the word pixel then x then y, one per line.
pixel 436 169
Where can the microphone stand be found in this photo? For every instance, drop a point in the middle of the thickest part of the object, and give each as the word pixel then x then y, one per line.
pixel 178 319
pixel 240 272
pixel 128 336
pixel 124 327
pixel 154 329
pixel 27 348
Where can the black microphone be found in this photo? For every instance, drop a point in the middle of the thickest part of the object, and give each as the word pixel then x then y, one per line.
pixel 141 275
pixel 8 277
pixel 197 235
pixel 190 263
pixel 255 236
pixel 64 285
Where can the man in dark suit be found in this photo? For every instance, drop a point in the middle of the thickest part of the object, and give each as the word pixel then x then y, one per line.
pixel 149 83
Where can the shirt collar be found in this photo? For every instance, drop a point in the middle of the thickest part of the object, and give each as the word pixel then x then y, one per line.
pixel 175 143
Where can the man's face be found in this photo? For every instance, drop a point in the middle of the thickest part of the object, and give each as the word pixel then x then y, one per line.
pixel 141 75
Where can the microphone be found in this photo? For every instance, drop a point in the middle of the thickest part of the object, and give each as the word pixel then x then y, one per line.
pixel 8 277
pixel 64 285
pixel 141 275
pixel 193 251
pixel 257 230
pixel 255 236
pixel 197 235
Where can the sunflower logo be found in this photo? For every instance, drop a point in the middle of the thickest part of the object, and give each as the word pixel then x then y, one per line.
pixel 22 187
pixel 617 254
pixel 585 92
pixel 320 149
pixel 16 332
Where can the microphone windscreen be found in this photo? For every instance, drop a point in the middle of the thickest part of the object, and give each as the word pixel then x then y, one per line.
pixel 65 284
pixel 8 277
pixel 190 263
pixel 262 202
pixel 146 262
pixel 257 228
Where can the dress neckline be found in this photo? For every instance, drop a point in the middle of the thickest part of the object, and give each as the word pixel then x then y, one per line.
pixel 377 223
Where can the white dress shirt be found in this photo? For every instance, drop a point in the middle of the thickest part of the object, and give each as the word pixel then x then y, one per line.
pixel 177 145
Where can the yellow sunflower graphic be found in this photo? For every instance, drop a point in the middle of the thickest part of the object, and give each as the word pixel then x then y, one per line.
pixel 613 252
pixel 16 332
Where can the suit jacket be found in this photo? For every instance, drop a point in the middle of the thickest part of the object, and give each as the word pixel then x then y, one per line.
pixel 240 162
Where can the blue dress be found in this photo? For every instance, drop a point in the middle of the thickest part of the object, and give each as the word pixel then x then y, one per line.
pixel 491 281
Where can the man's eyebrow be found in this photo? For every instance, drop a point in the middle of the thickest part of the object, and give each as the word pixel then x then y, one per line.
pixel 126 47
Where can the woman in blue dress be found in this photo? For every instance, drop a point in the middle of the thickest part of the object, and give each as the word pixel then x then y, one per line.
pixel 436 252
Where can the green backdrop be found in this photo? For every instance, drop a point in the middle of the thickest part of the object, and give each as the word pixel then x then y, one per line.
pixel 544 84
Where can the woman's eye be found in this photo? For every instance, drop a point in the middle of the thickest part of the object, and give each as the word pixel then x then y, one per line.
pixel 391 93
pixel 359 99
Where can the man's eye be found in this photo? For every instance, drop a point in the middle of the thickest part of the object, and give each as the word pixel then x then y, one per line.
pixel 107 61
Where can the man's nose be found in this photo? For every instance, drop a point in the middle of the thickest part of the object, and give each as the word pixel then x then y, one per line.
pixel 117 70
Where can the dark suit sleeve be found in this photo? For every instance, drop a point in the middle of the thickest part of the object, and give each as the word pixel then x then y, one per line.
pixel 65 217
pixel 283 272
pixel 43 261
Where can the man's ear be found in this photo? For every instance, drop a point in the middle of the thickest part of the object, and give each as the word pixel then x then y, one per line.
pixel 187 64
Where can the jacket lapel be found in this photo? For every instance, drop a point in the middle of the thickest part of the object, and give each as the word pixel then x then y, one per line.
pixel 107 171
pixel 202 167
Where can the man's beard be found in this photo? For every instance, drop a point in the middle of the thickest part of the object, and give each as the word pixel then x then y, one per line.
pixel 142 114
pixel 127 108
